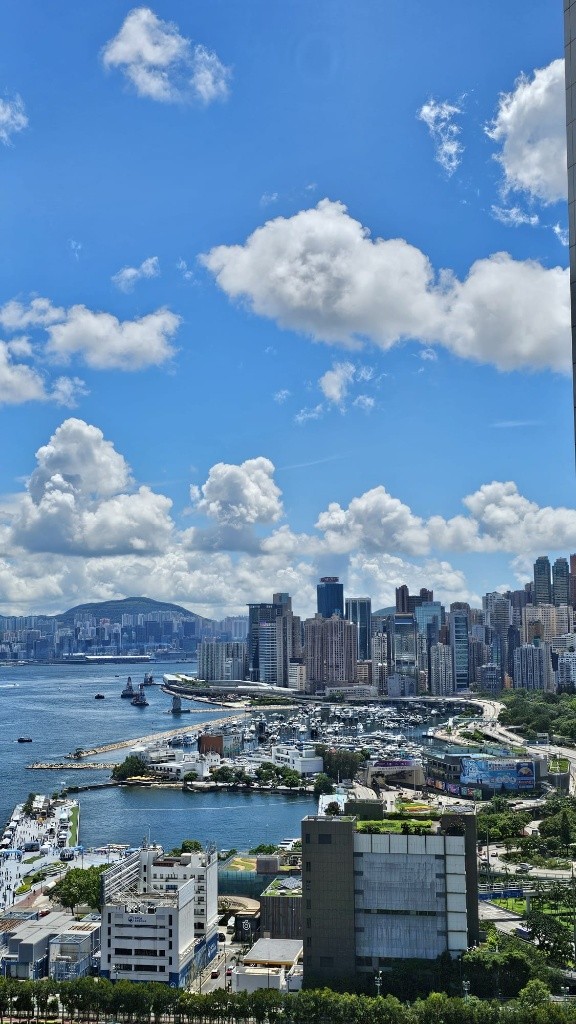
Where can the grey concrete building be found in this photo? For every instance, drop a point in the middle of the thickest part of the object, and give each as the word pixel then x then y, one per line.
pixel 372 898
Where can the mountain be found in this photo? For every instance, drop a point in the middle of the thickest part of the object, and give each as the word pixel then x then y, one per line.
pixel 114 610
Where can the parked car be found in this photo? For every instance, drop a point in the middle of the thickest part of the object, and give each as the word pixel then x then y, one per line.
pixel 215 973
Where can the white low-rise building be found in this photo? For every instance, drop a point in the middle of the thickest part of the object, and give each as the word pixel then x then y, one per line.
pixel 160 916
pixel 300 757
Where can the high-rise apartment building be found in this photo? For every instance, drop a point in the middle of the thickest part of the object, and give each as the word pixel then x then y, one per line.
pixel 221 661
pixel 330 651
pixel 330 597
pixel 441 681
pixel 274 637
pixel 359 611
pixel 542 581
pixel 560 582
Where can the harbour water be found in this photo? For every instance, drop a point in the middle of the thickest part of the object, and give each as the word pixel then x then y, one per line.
pixel 55 706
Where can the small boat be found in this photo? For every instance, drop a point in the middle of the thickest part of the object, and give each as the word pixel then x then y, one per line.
pixel 149 680
pixel 99 696
pixel 24 739
pixel 139 700
pixel 128 690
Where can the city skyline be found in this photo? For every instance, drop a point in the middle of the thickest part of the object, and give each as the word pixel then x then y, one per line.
pixel 285 295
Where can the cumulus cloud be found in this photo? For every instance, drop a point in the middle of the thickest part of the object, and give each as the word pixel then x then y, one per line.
pixel 163 65
pixel 320 273
pixel 67 391
pixel 76 501
pixel 13 119
pixel 438 116
pixel 334 384
pixel 19 383
pixel 83 530
pixel 106 343
pixel 529 127
pixel 240 495
pixel 126 278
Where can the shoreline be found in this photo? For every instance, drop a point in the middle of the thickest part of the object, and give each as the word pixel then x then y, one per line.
pixel 137 741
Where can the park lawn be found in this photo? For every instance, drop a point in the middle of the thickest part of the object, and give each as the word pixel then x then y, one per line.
pixel 74 826
pixel 242 864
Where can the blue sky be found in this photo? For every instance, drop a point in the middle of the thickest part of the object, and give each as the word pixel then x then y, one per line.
pixel 284 293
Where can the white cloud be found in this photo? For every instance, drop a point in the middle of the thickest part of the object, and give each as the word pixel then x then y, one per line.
pixel 335 383
pixel 185 270
pixel 163 65
pixel 75 248
pixel 105 343
pixel 365 402
pixel 126 278
pixel 561 234
pixel 320 273
pixel 15 316
pixel 83 531
pixel 210 77
pixel 428 355
pixel 438 116
pixel 514 217
pixel 240 495
pixel 74 502
pixel 304 415
pixel 19 383
pixel 67 390
pixel 281 396
pixel 267 198
pixel 530 127
pixel 13 119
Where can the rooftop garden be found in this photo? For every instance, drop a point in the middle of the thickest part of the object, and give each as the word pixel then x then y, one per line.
pixel 398 826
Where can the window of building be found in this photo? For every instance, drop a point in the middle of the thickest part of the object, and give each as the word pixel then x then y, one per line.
pixel 306 837
pixel 308 941
pixel 122 951
pixel 308 904
pixel 308 866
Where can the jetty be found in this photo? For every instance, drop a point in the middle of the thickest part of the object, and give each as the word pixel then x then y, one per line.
pixel 152 738
pixel 56 765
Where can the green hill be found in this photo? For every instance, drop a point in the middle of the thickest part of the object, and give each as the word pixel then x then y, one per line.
pixel 114 610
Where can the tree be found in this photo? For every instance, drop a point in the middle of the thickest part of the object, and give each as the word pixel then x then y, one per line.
pixel 190 777
pixel 131 767
pixel 535 993
pixel 79 885
pixel 551 936
pixel 333 808
pixel 223 774
pixel 27 807
pixel 323 784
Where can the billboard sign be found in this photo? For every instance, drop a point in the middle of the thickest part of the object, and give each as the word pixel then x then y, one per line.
pixel 497 773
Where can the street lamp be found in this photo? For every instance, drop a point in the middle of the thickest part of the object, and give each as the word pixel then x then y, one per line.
pixel 466 989
pixel 378 982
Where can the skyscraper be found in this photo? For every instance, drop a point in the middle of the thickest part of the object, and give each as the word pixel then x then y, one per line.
pixel 330 597
pixel 542 581
pixel 359 611
pixel 459 645
pixel 560 582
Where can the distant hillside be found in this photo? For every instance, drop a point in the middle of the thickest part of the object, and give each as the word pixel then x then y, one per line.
pixel 114 610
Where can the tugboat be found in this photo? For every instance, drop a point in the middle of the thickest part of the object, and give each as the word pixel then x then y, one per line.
pixel 128 690
pixel 139 700
pixel 99 696
pixel 149 680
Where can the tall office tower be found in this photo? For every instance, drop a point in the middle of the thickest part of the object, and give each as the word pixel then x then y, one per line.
pixel 330 597
pixel 403 646
pixel 478 654
pixel 260 615
pixel 288 643
pixel 513 641
pixel 330 651
pixel 529 667
pixel 570 73
pixel 359 611
pixel 498 616
pixel 426 595
pixel 371 899
pixel 459 645
pixel 441 680
pixel 284 600
pixel 542 581
pixel 402 597
pixel 426 613
pixel 560 582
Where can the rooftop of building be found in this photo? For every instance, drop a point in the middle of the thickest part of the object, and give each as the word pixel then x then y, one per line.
pixel 277 952
pixel 291 886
